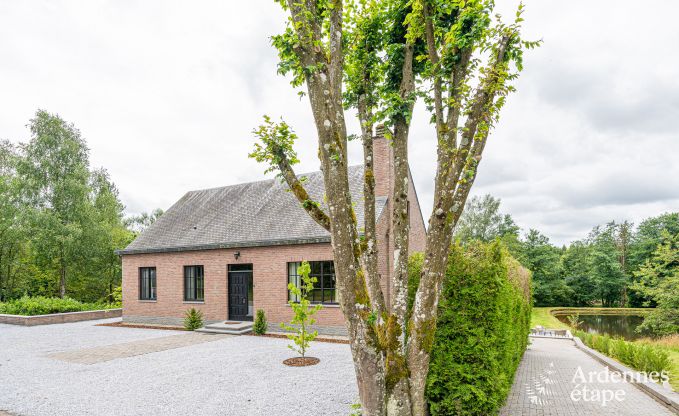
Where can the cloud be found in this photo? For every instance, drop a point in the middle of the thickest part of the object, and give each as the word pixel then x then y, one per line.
pixel 167 94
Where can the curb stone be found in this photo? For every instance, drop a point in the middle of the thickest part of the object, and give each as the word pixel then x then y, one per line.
pixel 657 392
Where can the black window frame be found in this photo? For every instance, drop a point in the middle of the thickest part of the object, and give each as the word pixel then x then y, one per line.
pixel 325 281
pixel 150 290
pixel 194 292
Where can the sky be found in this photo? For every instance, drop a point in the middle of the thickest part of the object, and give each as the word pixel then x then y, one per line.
pixel 167 94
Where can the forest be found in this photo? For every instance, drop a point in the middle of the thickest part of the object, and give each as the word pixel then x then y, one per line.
pixel 61 220
pixel 618 264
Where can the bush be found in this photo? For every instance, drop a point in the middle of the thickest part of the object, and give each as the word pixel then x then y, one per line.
pixel 640 357
pixel 193 319
pixel 40 305
pixel 260 325
pixel 482 330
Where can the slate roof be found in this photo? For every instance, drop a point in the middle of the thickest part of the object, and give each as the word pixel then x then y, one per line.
pixel 252 214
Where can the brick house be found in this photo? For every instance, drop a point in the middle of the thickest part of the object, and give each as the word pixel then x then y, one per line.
pixel 232 250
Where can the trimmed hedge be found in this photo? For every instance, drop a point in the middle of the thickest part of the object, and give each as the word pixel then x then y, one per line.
pixel 640 357
pixel 482 330
pixel 40 305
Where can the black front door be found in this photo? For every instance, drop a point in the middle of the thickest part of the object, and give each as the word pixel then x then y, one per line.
pixel 240 292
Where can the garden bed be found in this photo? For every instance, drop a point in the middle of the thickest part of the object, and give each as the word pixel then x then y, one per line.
pixel 60 318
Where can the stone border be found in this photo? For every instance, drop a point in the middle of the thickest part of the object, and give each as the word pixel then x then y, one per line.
pixel 60 318
pixel 659 393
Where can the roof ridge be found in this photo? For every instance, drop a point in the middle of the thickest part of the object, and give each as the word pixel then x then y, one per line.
pixel 261 180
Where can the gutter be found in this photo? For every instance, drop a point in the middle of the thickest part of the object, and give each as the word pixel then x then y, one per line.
pixel 217 246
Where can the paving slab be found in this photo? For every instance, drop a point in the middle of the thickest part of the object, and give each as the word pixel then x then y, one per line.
pixel 557 379
pixel 130 349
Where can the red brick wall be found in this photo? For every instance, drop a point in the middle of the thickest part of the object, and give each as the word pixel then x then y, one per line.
pixel 270 278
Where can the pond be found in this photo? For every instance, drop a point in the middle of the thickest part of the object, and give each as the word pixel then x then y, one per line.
pixel 614 325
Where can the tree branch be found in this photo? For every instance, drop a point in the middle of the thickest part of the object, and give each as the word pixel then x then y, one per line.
pixel 312 207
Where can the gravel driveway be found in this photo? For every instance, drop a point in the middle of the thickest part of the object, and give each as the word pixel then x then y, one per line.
pixel 239 375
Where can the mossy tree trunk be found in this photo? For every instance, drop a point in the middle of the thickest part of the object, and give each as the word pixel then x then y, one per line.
pixel 419 39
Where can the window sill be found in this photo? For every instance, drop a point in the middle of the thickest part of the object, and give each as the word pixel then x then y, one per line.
pixel 198 302
pixel 325 305
pixel 147 301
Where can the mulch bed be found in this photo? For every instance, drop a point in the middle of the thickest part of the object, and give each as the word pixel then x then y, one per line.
pixel 319 339
pixel 301 361
pixel 140 326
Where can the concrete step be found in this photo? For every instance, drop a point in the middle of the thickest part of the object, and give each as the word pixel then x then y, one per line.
pixel 228 327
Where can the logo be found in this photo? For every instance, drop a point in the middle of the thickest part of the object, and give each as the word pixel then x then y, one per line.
pixel 538 389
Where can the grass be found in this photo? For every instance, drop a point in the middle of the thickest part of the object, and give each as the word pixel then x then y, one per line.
pixel 543 317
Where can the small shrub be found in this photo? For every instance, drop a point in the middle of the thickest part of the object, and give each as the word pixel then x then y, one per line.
pixel 193 319
pixel 303 312
pixel 260 325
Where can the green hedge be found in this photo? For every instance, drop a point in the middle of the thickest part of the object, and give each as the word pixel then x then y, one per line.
pixel 640 357
pixel 482 330
pixel 40 305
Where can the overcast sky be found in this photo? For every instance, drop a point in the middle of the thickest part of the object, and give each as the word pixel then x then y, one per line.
pixel 167 93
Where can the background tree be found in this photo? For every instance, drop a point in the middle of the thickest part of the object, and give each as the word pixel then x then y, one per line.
pixel 61 221
pixel 434 50
pixel 11 232
pixel 658 279
pixel 606 268
pixel 543 259
pixel 576 272
pixel 482 221
pixel 138 223
pixel 55 175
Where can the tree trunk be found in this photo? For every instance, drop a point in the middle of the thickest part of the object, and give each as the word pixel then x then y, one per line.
pixel 62 280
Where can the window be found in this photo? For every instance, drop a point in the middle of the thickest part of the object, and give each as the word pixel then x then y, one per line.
pixel 193 284
pixel 324 288
pixel 147 283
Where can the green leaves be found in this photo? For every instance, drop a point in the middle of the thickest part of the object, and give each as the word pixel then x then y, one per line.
pixel 275 146
pixel 303 312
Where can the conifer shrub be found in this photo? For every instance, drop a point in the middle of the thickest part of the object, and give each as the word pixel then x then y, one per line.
pixel 482 329
pixel 193 319
pixel 260 326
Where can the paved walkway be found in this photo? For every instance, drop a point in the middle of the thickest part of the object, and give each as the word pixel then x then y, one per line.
pixel 130 349
pixel 554 380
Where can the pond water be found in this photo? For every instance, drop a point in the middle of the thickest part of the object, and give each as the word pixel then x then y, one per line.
pixel 614 325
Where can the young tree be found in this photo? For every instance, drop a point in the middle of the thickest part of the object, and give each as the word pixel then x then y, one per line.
pixel 389 53
pixel 303 312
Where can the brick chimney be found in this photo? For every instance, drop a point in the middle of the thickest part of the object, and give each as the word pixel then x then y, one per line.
pixel 383 163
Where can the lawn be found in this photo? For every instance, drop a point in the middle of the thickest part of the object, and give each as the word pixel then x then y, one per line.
pixel 543 317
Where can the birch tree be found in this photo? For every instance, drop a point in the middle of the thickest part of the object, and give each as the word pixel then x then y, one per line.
pixel 380 57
